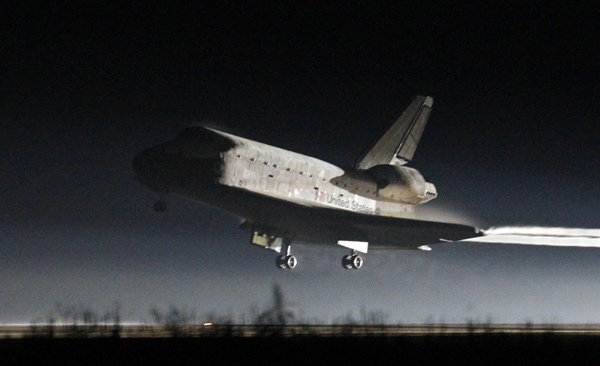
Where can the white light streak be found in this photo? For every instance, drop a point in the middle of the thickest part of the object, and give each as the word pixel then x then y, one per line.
pixel 545 236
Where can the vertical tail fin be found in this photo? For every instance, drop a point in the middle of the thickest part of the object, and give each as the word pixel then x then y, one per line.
pixel 397 146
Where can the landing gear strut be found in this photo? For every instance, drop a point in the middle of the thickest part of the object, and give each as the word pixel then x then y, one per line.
pixel 353 261
pixel 287 260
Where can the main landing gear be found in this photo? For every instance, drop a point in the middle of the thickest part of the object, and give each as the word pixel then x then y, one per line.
pixel 281 242
pixel 287 260
pixel 353 261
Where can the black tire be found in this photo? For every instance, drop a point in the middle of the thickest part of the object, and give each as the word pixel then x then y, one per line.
pixel 281 262
pixel 347 261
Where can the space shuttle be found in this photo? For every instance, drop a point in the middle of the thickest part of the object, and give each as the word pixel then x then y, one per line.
pixel 284 197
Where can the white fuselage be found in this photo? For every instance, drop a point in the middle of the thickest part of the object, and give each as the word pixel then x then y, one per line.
pixel 283 194
pixel 291 176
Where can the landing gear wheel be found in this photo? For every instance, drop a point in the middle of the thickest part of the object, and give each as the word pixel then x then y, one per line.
pixel 290 262
pixel 357 261
pixel 280 262
pixel 160 206
pixel 347 261
pixel 352 261
pixel 286 262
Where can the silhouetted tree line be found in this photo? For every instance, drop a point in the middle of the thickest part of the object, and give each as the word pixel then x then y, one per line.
pixel 273 320
pixel 78 322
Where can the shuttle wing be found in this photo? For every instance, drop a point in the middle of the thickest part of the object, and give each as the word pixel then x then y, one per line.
pixel 394 233
pixel 323 225
pixel 380 232
pixel 544 236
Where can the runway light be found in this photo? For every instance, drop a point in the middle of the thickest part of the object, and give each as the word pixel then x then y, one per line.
pixel 207 324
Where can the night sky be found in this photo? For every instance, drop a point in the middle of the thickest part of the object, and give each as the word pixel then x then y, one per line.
pixel 512 140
